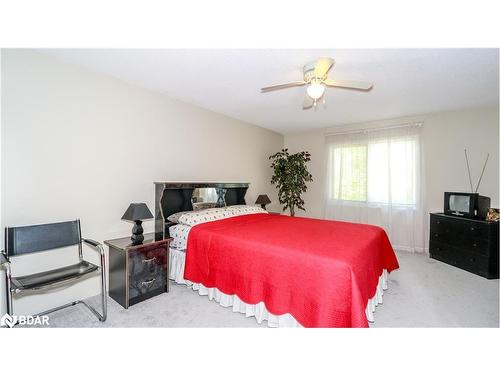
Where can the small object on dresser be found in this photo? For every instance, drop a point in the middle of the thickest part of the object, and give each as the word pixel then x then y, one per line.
pixel 263 199
pixel 137 212
pixel 137 272
pixel 493 214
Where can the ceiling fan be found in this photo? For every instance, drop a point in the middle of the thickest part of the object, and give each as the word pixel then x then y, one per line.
pixel 316 77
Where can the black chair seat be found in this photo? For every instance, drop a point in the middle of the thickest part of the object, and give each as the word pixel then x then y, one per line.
pixel 46 278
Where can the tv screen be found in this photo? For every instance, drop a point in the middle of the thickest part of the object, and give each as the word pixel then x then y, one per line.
pixel 459 203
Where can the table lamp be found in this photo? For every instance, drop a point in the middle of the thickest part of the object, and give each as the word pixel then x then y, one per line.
pixel 137 212
pixel 263 199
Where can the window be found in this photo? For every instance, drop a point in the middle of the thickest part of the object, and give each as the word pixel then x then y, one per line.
pixel 374 169
pixel 350 177
pixel 374 177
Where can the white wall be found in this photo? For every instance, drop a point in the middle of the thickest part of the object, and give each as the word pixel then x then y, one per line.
pixel 80 144
pixel 445 135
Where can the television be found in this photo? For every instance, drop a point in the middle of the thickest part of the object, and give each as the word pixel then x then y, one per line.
pixel 471 205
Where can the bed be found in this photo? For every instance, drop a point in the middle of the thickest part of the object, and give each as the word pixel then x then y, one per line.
pixel 283 270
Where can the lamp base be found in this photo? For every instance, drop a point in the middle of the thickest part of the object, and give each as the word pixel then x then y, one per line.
pixel 263 206
pixel 137 236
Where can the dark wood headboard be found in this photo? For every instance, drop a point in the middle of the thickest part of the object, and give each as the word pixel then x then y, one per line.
pixel 172 197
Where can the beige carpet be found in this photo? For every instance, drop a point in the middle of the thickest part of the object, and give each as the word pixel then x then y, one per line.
pixel 422 293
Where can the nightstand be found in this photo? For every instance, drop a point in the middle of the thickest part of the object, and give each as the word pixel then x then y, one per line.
pixel 137 272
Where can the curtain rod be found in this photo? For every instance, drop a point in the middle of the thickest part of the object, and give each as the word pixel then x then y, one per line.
pixel 374 129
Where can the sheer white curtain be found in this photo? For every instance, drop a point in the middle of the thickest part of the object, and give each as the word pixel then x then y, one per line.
pixel 375 177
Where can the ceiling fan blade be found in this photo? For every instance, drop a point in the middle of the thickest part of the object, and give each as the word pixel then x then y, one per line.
pixel 283 86
pixel 308 102
pixel 323 65
pixel 355 85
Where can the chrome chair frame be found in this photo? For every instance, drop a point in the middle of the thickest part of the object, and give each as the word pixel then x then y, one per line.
pixel 10 290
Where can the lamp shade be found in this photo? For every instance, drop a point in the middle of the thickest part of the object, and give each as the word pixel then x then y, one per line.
pixel 263 199
pixel 137 211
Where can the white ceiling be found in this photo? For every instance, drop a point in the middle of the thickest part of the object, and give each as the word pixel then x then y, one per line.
pixel 228 81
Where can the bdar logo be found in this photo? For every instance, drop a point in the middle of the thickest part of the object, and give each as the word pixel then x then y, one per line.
pixel 8 320
pixel 24 320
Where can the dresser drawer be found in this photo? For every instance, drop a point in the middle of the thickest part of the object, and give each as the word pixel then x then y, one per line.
pixel 456 226
pixel 438 224
pixel 460 258
pixel 463 241
pixel 478 230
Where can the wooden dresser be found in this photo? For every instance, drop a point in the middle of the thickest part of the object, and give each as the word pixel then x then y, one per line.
pixel 469 244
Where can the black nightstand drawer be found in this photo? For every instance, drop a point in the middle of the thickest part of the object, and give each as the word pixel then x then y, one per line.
pixel 146 284
pixel 149 260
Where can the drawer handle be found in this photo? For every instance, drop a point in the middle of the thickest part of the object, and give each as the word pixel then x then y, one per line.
pixel 472 228
pixel 474 244
pixel 149 260
pixel 149 282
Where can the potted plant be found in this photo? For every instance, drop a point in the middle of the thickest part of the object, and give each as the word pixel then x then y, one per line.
pixel 290 177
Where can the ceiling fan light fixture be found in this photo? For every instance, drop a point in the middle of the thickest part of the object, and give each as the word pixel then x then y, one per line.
pixel 315 90
pixel 315 76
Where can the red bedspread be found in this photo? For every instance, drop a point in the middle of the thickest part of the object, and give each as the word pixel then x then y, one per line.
pixel 322 272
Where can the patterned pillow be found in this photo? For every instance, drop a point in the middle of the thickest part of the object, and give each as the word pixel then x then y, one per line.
pixel 174 218
pixel 243 209
pixel 204 216
pixel 204 205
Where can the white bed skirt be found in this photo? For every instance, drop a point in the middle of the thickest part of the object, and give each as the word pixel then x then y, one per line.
pixel 259 311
